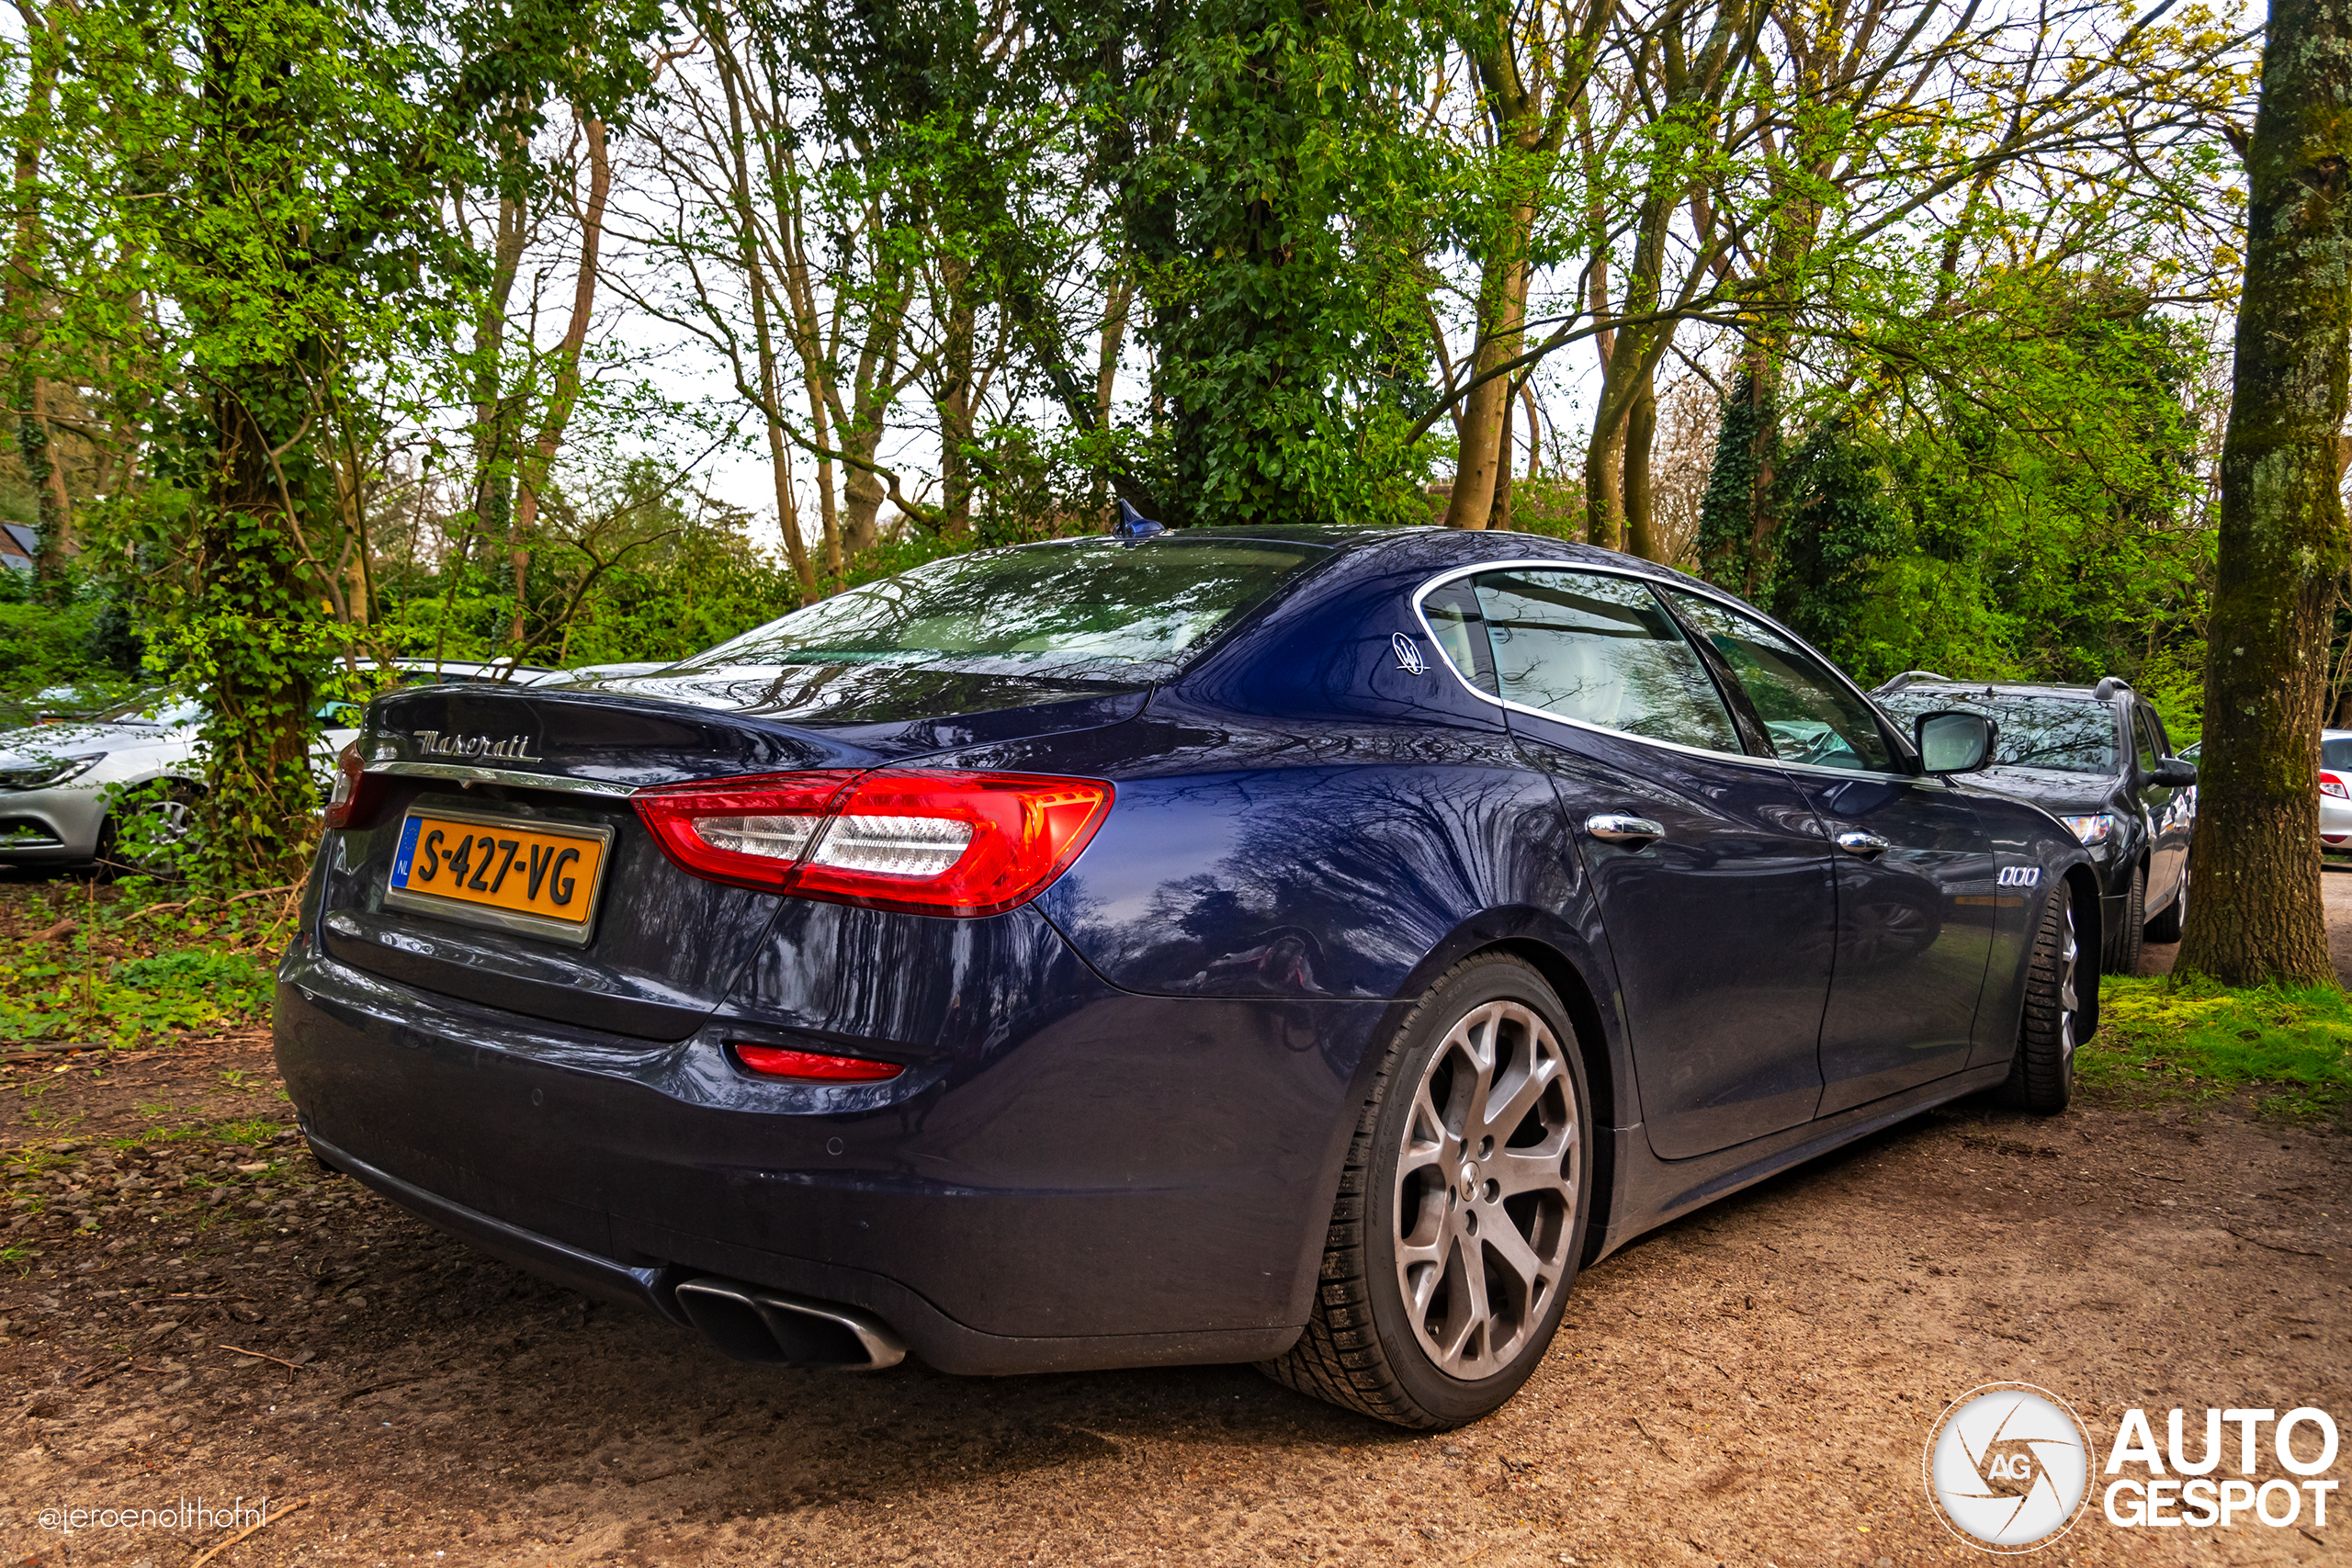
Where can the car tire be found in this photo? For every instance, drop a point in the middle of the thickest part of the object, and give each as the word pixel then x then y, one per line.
pixel 2041 1073
pixel 2132 931
pixel 2167 926
pixel 1424 1242
pixel 172 807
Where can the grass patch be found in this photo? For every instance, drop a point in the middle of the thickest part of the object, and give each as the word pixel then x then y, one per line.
pixel 2292 1048
pixel 113 962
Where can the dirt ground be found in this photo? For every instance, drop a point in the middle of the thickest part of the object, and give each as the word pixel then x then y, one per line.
pixel 219 1318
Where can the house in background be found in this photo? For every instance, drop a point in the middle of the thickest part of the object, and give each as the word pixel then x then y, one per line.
pixel 18 544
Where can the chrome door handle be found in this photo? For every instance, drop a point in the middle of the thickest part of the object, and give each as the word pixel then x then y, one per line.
pixel 1854 841
pixel 1624 829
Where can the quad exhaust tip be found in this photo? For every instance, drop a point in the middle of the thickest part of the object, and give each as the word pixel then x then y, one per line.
pixel 776 1328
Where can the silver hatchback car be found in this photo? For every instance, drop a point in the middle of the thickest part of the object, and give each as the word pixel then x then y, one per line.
pixel 68 789
pixel 63 784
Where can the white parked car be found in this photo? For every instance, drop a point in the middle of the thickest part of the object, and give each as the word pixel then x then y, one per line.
pixel 2334 789
pixel 69 789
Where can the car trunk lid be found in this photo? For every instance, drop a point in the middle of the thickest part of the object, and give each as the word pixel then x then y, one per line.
pixel 557 765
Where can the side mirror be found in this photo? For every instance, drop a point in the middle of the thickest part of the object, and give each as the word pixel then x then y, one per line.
pixel 2173 773
pixel 1954 743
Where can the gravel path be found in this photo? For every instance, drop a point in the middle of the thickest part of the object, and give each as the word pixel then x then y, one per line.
pixel 1751 1385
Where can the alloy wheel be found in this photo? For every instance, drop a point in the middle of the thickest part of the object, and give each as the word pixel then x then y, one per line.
pixel 1486 1188
pixel 2067 1001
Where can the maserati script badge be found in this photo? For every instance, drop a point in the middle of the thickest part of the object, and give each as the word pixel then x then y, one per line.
pixel 513 749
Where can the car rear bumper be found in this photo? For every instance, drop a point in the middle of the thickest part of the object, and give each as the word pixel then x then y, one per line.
pixel 2334 822
pixel 1122 1180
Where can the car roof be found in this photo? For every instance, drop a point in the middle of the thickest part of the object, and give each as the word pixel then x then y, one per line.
pixel 2004 689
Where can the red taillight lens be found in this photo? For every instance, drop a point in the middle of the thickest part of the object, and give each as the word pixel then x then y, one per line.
pixel 953 843
pixel 775 1062
pixel 348 804
pixel 2329 783
pixel 752 831
pixel 934 843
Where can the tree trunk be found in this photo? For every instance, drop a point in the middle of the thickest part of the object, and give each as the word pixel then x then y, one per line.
pixel 35 434
pixel 35 442
pixel 494 412
pixel 1604 487
pixel 957 368
pixel 1485 413
pixel 1641 433
pixel 565 395
pixel 2257 915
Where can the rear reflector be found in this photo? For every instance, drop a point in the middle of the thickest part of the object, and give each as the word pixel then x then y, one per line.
pixel 929 842
pixel 775 1062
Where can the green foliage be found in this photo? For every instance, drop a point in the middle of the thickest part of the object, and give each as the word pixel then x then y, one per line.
pixel 136 958
pixel 1839 526
pixel 1747 445
pixel 1278 227
pixel 2033 522
pixel 2191 1035
pixel 73 634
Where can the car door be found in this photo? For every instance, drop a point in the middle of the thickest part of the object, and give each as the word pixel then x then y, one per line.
pixel 1711 876
pixel 1917 882
pixel 2164 808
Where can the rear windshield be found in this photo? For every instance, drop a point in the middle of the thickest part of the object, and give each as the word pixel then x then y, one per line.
pixel 2065 734
pixel 2335 754
pixel 1082 609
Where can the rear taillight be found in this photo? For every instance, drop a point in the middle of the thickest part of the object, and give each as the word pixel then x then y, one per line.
pixel 349 805
pixel 811 1066
pixel 933 844
pixel 2329 783
pixel 752 831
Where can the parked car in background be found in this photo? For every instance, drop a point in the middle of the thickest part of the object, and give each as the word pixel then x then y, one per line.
pixel 61 784
pixel 2097 758
pixel 1293 946
pixel 2334 789
pixel 71 787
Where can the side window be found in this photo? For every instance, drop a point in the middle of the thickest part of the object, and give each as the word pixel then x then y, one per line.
pixel 2143 728
pixel 1452 614
pixel 1600 651
pixel 1811 715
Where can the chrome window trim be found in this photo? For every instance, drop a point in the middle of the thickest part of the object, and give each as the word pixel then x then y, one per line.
pixel 466 773
pixel 1455 573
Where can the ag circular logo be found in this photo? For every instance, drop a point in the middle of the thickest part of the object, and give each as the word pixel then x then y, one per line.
pixel 2008 1467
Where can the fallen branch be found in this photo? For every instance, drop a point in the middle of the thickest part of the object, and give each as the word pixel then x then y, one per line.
pixel 66 1049
pixel 266 1357
pixel 98 1374
pixel 204 898
pixel 209 1553
pixel 65 927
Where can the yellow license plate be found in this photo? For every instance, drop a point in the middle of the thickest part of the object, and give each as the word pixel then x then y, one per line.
pixel 535 877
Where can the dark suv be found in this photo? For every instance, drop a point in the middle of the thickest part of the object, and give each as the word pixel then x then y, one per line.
pixel 2097 758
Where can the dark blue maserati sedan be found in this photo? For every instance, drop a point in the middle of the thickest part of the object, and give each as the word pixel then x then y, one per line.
pixel 1299 946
